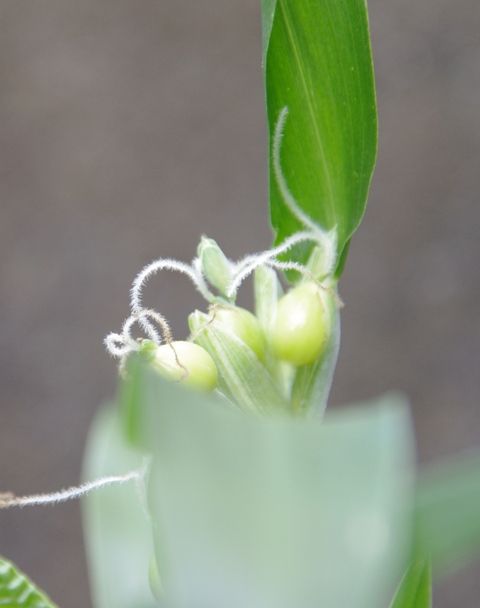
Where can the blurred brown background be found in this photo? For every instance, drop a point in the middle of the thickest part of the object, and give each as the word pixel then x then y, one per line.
pixel 129 128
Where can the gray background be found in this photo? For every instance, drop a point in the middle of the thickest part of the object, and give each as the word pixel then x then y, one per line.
pixel 129 128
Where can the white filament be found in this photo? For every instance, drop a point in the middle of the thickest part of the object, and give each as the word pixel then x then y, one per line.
pixel 10 500
pixel 121 345
pixel 279 176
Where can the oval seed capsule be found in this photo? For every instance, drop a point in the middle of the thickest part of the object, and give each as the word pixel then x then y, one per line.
pixel 302 324
pixel 244 325
pixel 186 362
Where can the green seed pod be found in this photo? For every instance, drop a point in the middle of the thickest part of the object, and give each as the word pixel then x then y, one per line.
pixel 302 324
pixel 242 377
pixel 183 361
pixel 244 325
pixel 215 265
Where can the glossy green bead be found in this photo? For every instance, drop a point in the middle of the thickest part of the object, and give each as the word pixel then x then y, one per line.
pixel 302 325
pixel 244 325
pixel 196 370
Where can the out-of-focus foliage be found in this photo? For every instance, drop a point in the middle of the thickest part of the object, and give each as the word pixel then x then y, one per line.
pixel 447 511
pixel 415 590
pixel 18 591
pixel 275 511
pixel 117 529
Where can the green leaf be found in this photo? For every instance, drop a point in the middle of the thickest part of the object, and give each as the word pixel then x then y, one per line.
pixel 276 511
pixel 318 64
pixel 447 512
pixel 415 590
pixel 116 526
pixel 18 591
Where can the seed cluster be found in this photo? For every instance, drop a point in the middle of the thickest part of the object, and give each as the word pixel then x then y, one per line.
pixel 253 359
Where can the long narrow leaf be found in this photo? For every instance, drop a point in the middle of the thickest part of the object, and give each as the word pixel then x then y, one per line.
pixel 415 590
pixel 318 64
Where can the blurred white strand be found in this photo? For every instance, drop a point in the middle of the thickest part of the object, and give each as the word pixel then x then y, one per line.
pixel 10 500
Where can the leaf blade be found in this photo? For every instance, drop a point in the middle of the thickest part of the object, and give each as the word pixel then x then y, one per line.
pixel 18 591
pixel 318 63
pixel 415 590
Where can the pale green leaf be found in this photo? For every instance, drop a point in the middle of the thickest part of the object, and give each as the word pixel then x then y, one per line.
pixel 117 529
pixel 275 512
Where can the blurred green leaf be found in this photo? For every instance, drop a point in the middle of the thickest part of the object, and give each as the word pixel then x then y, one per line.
pixel 18 591
pixel 131 395
pixel 116 525
pixel 447 512
pixel 415 590
pixel 318 64
pixel 275 511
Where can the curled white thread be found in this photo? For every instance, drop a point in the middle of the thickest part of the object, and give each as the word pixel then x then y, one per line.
pixel 246 266
pixel 164 264
pixel 151 269
pixel 290 266
pixel 121 345
pixel 8 500
pixel 288 197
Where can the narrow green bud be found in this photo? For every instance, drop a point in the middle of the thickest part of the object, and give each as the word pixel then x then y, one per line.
pixel 242 376
pixel 319 263
pixel 267 290
pixel 215 265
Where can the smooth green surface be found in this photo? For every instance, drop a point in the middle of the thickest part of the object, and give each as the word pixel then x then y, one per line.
pixel 117 529
pixel 447 512
pixel 312 383
pixel 318 64
pixel 415 590
pixel 18 591
pixel 301 328
pixel 275 512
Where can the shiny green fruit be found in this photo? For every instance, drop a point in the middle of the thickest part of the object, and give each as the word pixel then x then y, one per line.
pixel 302 325
pixel 186 362
pixel 244 325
